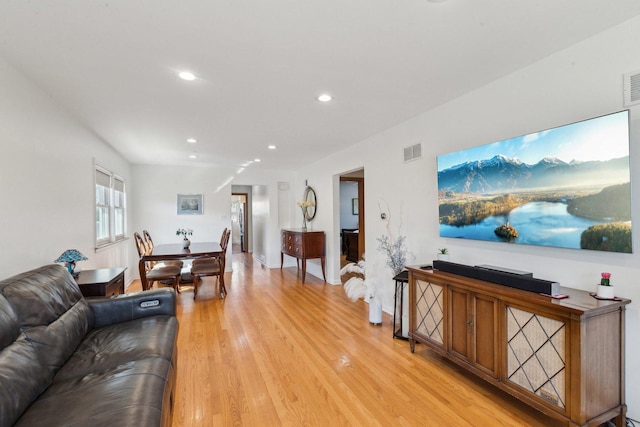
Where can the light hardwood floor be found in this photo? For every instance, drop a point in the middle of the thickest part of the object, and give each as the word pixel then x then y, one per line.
pixel 279 353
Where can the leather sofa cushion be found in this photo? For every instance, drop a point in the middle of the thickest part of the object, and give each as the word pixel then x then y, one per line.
pixel 120 374
pixel 22 376
pixel 111 346
pixel 130 394
pixel 53 314
pixel 51 317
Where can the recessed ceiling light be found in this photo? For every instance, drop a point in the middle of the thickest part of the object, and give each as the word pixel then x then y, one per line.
pixel 193 156
pixel 186 75
pixel 192 140
pixel 325 97
pixel 257 160
pixel 272 147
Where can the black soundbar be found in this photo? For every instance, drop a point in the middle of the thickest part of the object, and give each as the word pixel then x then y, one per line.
pixel 505 278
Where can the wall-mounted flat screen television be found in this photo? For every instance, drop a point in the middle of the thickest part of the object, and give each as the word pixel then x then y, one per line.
pixel 566 187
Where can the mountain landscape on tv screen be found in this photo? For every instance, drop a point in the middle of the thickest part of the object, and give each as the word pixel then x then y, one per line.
pixel 500 174
pixel 581 205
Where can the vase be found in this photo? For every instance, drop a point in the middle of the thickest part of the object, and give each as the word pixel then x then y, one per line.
pixel 375 312
pixel 186 243
pixel 304 221
pixel 605 292
pixel 443 257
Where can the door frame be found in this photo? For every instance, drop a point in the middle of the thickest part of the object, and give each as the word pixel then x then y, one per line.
pixel 361 234
pixel 245 243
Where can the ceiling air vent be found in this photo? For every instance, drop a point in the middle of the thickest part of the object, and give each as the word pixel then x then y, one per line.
pixel 412 153
pixel 632 88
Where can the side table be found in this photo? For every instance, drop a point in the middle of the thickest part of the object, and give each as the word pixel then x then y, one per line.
pixel 103 282
pixel 402 279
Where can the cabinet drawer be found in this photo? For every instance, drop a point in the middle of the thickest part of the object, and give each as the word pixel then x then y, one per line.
pixel 293 250
pixel 292 244
pixel 115 288
pixel 290 238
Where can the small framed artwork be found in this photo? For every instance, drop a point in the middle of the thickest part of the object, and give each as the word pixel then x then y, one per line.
pixel 354 206
pixel 189 204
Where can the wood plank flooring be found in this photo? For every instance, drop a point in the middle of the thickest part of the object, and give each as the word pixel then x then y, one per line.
pixel 275 352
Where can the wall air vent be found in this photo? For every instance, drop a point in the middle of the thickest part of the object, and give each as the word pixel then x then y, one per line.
pixel 412 153
pixel 632 88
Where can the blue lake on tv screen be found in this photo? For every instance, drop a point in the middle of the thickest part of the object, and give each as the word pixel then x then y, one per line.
pixel 538 223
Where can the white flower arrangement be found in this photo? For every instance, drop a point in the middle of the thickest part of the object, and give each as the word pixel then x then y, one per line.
pixel 355 287
pixel 394 248
pixel 305 203
pixel 184 232
pixel 396 257
pixel 396 252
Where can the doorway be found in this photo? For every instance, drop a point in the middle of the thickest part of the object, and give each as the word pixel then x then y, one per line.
pixel 352 218
pixel 239 221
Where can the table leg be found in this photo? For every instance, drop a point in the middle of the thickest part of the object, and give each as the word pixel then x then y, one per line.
pixel 223 289
pixel 304 268
pixel 322 263
pixel 143 274
pixel 281 260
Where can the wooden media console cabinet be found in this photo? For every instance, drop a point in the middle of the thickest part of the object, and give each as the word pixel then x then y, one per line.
pixel 564 357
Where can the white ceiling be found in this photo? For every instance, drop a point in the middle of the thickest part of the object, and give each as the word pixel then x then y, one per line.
pixel 260 65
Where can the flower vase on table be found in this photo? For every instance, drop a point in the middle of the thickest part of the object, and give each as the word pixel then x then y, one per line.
pixel 184 232
pixel 304 219
pixel 304 204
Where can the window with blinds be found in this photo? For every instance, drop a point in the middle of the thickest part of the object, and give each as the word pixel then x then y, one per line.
pixel 110 207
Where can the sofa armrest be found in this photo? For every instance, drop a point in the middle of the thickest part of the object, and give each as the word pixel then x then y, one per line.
pixel 123 308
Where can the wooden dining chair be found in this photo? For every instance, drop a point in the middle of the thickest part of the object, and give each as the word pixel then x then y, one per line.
pixel 212 267
pixel 158 272
pixel 148 241
pixel 205 260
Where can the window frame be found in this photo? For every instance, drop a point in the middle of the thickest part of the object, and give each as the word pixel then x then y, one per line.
pixel 115 204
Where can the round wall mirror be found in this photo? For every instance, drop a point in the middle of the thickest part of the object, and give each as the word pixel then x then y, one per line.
pixel 310 196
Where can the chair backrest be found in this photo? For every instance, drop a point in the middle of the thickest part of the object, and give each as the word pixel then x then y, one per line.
pixel 140 245
pixel 148 240
pixel 224 232
pixel 224 241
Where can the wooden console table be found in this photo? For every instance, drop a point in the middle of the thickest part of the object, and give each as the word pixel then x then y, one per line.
pixel 303 245
pixel 102 282
pixel 563 357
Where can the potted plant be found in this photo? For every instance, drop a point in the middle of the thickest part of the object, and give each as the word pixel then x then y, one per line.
pixel 443 254
pixel 358 287
pixel 184 232
pixel 605 290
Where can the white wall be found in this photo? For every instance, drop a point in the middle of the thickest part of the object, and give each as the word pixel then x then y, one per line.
pixel 155 209
pixel 575 84
pixel 47 192
pixel 260 222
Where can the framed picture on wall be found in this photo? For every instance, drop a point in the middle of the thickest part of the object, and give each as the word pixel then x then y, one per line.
pixel 354 206
pixel 189 204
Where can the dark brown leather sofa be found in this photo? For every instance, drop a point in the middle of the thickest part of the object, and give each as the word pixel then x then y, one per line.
pixel 67 360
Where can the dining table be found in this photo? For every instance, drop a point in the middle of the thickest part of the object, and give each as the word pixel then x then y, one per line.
pixel 173 251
